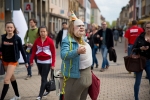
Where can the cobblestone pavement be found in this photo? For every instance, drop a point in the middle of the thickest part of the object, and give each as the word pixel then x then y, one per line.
pixel 116 83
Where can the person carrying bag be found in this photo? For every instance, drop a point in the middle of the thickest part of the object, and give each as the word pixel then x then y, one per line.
pixel 141 60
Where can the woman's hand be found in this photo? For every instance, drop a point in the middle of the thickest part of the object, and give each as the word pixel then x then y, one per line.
pixel 31 64
pixel 52 67
pixel 144 47
pixel 81 50
pixel 26 65
pixel 101 38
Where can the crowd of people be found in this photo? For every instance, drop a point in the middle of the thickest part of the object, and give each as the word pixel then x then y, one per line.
pixel 78 50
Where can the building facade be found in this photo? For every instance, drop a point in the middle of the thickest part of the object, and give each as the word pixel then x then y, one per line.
pixel 58 10
pixel 87 13
pixel 124 16
pixel 82 10
pixel 95 13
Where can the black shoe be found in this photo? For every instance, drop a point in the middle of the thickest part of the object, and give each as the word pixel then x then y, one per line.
pixel 96 66
pixel 91 67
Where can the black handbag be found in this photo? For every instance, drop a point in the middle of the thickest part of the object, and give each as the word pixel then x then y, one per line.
pixel 50 86
pixel 135 63
pixel 2 71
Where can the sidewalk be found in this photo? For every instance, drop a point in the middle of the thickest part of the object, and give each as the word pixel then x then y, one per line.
pixel 116 83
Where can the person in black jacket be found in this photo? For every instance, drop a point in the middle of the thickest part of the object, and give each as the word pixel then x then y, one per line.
pixel 106 42
pixel 62 34
pixel 94 43
pixel 142 47
pixel 10 47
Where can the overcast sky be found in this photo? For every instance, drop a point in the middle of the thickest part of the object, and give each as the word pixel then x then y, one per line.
pixel 110 9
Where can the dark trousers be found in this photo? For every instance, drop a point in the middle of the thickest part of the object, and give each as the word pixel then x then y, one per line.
pixel 43 71
pixel 29 69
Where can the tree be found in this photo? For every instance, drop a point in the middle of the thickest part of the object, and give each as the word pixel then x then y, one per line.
pixel 108 24
pixel 113 24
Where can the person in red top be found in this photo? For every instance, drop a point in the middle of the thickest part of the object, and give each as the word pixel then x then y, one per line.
pixel 44 50
pixel 130 36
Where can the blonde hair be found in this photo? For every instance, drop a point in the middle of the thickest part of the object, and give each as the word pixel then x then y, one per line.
pixel 71 33
pixel 95 25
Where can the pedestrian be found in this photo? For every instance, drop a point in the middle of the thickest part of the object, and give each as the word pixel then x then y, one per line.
pixel 77 59
pixel 94 43
pixel 106 42
pixel 62 34
pixel 130 36
pixel 120 34
pixel 116 35
pixel 88 31
pixel 10 48
pixel 44 50
pixel 142 47
pixel 30 37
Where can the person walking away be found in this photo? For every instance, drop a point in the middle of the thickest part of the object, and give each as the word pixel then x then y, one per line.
pixel 62 34
pixel 142 47
pixel 44 50
pixel 30 37
pixel 106 42
pixel 94 43
pixel 10 49
pixel 120 35
pixel 130 36
pixel 76 56
pixel 116 36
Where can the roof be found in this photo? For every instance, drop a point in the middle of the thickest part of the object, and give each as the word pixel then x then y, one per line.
pixel 93 4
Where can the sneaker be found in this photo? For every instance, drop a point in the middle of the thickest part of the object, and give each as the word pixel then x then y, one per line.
pixel 46 93
pixel 38 98
pixel 28 77
pixel 102 70
pixel 16 98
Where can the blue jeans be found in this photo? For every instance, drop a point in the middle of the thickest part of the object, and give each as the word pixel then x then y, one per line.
pixel 29 69
pixel 130 49
pixel 94 50
pixel 104 52
pixel 138 79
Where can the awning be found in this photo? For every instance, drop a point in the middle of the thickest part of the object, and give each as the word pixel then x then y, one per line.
pixel 144 20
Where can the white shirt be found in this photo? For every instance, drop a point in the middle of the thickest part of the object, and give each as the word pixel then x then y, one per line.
pixel 86 59
pixel 64 34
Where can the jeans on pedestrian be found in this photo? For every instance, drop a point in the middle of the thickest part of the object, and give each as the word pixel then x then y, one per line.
pixel 94 50
pixel 138 79
pixel 104 52
pixel 29 72
pixel 130 49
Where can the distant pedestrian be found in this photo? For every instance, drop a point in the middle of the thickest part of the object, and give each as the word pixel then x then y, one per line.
pixel 106 42
pixel 77 59
pixel 142 47
pixel 62 34
pixel 130 36
pixel 116 35
pixel 94 43
pixel 44 50
pixel 120 34
pixel 30 37
pixel 10 48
